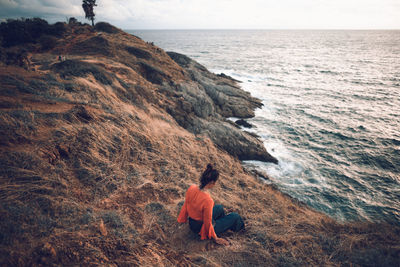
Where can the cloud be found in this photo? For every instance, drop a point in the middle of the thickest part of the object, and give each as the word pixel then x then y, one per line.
pixel 40 8
pixel 136 14
pixel 258 13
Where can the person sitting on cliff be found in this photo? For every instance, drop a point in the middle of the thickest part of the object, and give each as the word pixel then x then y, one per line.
pixel 206 219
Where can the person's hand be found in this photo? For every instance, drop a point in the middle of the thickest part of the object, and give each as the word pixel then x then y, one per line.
pixel 221 241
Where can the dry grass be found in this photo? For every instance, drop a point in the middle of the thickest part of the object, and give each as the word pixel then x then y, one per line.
pixel 99 180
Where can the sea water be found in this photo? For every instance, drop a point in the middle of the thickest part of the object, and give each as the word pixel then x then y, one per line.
pixel 331 113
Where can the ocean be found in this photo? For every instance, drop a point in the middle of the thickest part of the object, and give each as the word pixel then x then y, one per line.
pixel 331 113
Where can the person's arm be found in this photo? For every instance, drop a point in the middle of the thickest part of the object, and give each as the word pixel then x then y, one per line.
pixel 208 231
pixel 183 214
pixel 208 227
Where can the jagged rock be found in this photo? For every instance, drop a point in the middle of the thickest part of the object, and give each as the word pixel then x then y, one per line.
pixel 229 99
pixel 223 75
pixel 205 101
pixel 243 123
pixel 237 142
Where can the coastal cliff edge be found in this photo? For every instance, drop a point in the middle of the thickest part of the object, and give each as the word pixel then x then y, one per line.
pixel 101 135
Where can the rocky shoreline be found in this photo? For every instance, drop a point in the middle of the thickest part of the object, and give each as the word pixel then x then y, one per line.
pixel 207 101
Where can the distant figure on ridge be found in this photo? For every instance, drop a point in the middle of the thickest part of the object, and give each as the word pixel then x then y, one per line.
pixel 206 219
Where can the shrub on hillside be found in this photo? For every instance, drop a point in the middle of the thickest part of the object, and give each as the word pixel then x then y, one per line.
pixel 57 29
pixel 23 31
pixel 17 56
pixel 47 42
pixel 106 27
pixel 137 52
pixel 151 73
pixel 96 45
pixel 81 69
pixel 72 21
pixel 11 85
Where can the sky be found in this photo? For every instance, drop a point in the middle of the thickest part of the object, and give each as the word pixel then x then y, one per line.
pixel 218 14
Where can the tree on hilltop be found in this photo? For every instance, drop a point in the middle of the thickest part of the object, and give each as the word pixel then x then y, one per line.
pixel 88 6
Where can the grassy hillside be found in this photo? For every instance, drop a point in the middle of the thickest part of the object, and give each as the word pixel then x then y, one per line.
pixel 97 151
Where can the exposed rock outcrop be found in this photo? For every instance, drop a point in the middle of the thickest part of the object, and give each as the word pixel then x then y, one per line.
pixel 243 123
pixel 230 100
pixel 236 142
pixel 205 102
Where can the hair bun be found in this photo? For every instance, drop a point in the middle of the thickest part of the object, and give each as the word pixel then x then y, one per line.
pixel 209 175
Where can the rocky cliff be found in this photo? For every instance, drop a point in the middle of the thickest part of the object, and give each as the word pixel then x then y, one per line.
pixel 101 135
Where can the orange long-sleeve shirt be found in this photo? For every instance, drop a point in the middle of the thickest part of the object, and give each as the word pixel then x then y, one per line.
pixel 198 206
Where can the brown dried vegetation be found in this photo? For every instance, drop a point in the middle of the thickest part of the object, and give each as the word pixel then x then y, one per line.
pixel 93 171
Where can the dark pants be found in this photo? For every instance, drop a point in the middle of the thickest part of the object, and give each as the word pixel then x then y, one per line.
pixel 221 222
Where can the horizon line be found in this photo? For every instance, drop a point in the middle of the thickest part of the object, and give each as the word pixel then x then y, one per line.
pixel 258 29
